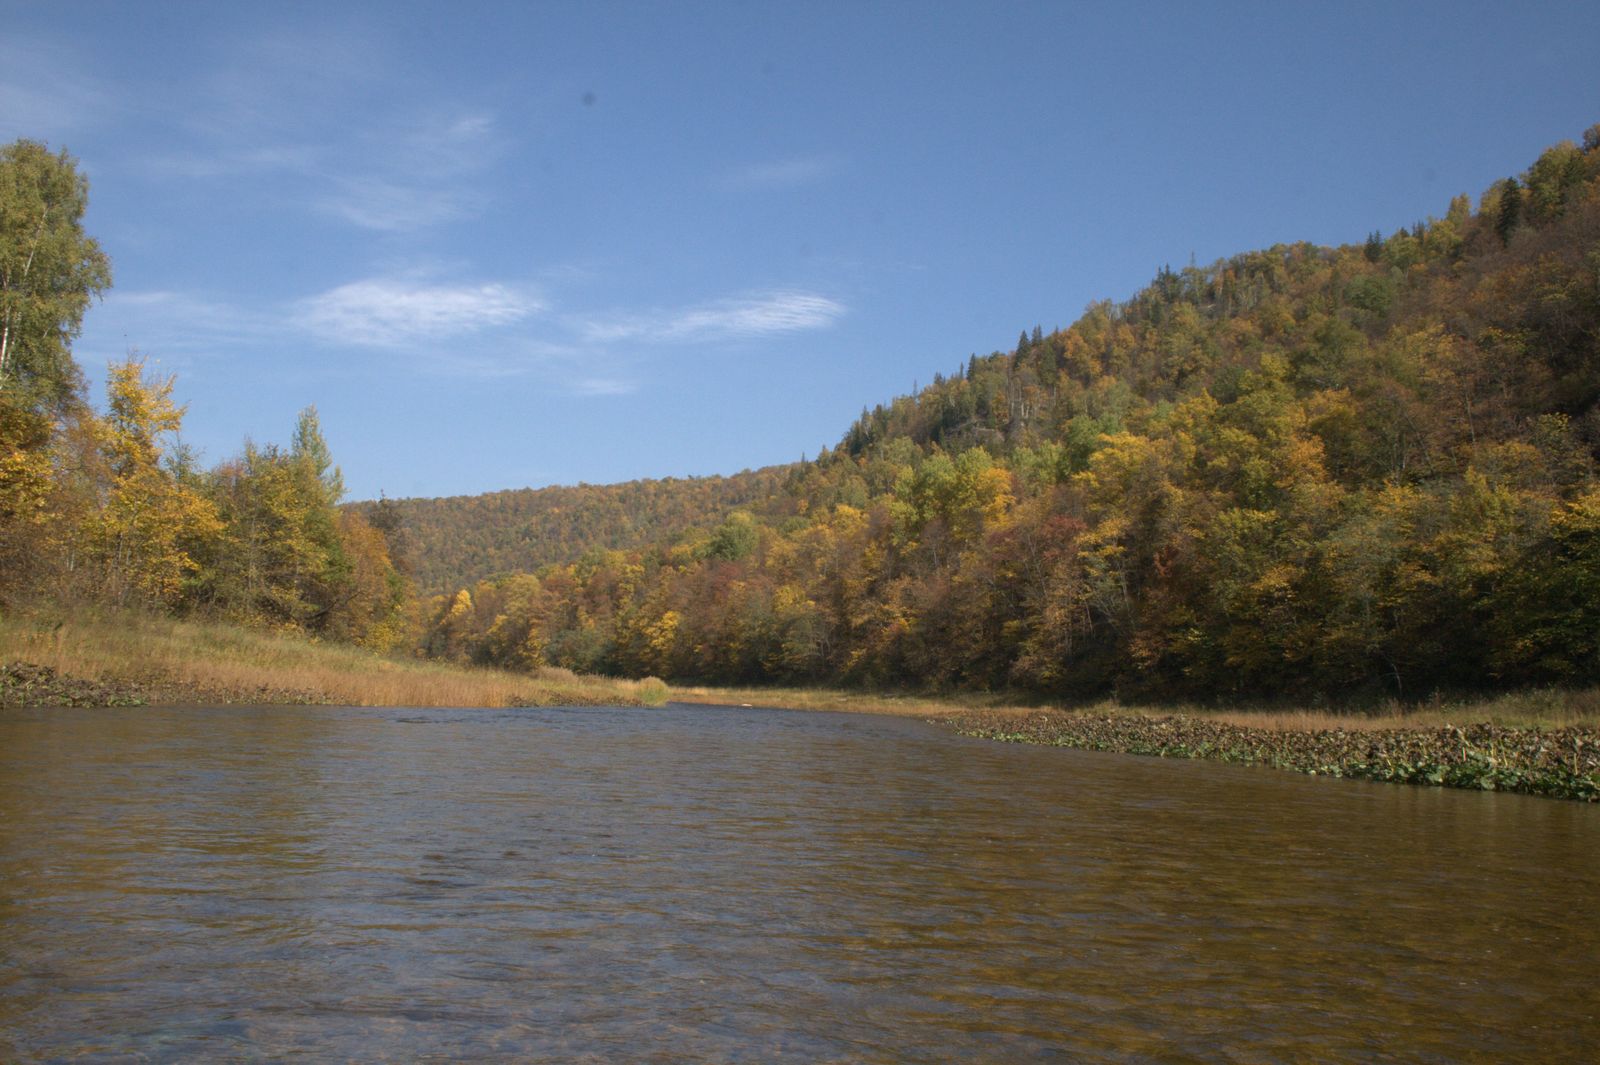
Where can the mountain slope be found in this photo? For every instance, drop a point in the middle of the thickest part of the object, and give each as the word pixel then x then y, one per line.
pixel 1295 471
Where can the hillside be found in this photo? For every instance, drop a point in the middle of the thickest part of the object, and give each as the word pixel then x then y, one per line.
pixel 454 541
pixel 1294 472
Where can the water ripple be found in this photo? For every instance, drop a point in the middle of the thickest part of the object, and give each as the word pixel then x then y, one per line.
pixel 695 884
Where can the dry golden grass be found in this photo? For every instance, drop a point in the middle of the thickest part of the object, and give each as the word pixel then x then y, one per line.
pixel 837 699
pixel 1548 708
pixel 224 661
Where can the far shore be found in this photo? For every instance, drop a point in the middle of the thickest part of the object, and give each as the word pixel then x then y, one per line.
pixel 1533 742
pixel 1543 708
pixel 1544 742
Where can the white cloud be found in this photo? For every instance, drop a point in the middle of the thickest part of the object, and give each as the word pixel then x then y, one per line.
pixel 487 331
pixel 387 312
pixel 785 311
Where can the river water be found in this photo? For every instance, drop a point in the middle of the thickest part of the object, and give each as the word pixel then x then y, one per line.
pixel 695 884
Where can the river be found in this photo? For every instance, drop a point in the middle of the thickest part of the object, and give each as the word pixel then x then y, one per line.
pixel 699 884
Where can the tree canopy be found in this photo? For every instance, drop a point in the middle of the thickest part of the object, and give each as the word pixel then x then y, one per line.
pixel 113 507
pixel 49 272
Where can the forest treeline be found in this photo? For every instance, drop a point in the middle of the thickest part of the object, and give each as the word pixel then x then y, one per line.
pixel 464 539
pixel 111 508
pixel 1297 471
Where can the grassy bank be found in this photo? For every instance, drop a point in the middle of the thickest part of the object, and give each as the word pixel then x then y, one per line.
pixel 1534 708
pixel 97 657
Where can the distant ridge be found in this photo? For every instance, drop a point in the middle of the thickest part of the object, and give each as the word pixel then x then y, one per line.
pixel 456 540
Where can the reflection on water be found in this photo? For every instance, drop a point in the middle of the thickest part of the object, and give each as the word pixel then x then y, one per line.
pixel 702 884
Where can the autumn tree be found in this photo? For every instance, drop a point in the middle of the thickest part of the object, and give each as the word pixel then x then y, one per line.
pixel 49 272
pixel 1510 213
pixel 26 483
pixel 367 606
pixel 152 524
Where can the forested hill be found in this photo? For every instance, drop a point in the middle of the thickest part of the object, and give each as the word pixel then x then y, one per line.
pixel 454 541
pixel 1297 470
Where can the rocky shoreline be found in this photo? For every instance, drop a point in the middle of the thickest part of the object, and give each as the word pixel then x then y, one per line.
pixel 1559 762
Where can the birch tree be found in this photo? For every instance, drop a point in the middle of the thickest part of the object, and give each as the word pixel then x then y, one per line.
pixel 49 271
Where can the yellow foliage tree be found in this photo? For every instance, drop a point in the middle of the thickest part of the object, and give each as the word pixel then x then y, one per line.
pixel 144 536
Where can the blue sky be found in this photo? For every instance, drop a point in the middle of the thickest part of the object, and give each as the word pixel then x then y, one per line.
pixel 501 245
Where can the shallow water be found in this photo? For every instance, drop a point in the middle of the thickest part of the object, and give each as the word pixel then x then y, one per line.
pixel 745 885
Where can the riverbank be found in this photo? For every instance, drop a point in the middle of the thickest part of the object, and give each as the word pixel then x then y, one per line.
pixel 1543 742
pixel 124 658
pixel 1529 708
pixel 1537 742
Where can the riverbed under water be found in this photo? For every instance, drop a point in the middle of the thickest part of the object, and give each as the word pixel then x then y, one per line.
pixel 701 884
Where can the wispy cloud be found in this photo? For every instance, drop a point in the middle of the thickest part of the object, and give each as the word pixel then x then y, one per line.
pixel 389 312
pixel 604 386
pixel 377 203
pixel 44 92
pixel 570 369
pixel 508 353
pixel 277 109
pixel 273 86
pixel 415 172
pixel 781 173
pixel 482 330
pixel 419 173
pixel 783 311
pixel 171 324
pixel 205 165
